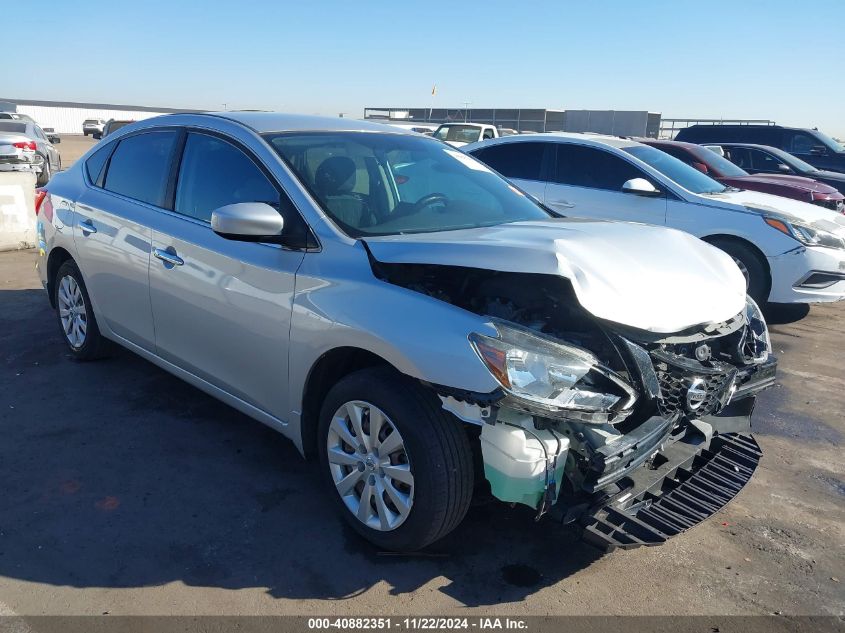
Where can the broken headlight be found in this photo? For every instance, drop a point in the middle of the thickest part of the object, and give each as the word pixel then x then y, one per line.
pixel 553 379
pixel 755 345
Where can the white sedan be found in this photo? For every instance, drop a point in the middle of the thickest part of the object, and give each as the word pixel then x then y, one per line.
pixel 789 251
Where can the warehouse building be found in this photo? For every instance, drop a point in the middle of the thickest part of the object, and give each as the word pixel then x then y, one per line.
pixel 66 117
pixel 615 122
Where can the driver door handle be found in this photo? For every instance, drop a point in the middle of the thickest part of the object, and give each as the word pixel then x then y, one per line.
pixel 168 258
pixel 562 203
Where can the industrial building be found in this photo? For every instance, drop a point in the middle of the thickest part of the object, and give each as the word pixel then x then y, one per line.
pixel 66 117
pixel 615 122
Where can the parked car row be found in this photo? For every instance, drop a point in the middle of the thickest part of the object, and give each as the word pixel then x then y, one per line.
pixel 726 168
pixel 788 251
pixel 762 159
pixel 424 327
pixel 811 146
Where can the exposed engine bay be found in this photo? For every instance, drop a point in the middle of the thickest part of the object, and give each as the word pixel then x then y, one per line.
pixel 620 420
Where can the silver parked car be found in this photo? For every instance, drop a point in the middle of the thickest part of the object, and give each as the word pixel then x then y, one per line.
pixel 415 321
pixel 94 127
pixel 24 146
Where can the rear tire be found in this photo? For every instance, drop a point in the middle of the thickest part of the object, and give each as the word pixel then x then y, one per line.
pixel 433 449
pixel 75 315
pixel 46 173
pixel 754 270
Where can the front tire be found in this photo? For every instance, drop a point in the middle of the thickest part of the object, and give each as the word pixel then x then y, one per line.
pixel 755 271
pixel 76 317
pixel 399 468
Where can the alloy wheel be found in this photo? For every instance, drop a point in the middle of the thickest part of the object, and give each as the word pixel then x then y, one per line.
pixel 72 311
pixel 370 466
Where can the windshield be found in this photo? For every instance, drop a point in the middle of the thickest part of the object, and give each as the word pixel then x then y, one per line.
pixel 721 165
pixel 460 133
pixel 790 159
pixel 390 184
pixel 12 126
pixel 826 140
pixel 678 171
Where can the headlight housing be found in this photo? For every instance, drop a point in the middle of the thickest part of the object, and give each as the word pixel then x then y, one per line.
pixel 553 379
pixel 804 233
pixel 755 345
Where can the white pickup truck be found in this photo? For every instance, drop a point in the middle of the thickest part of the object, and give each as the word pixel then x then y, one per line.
pixel 460 134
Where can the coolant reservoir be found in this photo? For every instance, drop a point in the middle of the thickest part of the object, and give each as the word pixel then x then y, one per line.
pixel 515 462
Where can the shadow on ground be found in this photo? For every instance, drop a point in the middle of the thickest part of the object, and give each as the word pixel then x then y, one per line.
pixel 117 474
pixel 785 313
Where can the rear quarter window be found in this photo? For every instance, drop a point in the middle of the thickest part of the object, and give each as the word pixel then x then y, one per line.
pixel 94 165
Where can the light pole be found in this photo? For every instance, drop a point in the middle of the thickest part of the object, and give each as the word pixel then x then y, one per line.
pixel 467 104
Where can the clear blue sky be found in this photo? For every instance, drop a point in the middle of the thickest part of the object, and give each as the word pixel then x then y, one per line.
pixel 780 59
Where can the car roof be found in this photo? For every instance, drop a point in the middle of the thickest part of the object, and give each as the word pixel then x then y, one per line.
pixel 596 140
pixel 767 148
pixel 279 122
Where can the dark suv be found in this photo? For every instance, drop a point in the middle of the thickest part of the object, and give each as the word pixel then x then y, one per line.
pixel 812 146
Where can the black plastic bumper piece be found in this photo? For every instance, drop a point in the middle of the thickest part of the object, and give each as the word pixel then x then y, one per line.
pixel 697 490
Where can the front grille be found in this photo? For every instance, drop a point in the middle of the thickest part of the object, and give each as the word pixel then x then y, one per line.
pixel 833 205
pixel 677 374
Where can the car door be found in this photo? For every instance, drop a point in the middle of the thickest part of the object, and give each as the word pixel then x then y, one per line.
pixel 525 163
pixel 221 307
pixel 587 182
pixel 125 187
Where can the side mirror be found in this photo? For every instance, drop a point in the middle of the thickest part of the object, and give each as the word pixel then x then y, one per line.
pixel 784 169
pixel 819 150
pixel 54 139
pixel 701 167
pixel 248 222
pixel 640 187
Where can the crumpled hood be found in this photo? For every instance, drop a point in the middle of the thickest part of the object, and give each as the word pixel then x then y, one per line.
pixel 647 277
pixel 795 210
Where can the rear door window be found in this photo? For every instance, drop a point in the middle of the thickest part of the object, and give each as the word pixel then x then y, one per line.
pixel 739 156
pixel 140 165
pixel 515 160
pixel 763 161
pixel 214 173
pixel 581 166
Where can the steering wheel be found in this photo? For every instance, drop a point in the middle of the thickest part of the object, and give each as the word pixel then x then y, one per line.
pixel 428 200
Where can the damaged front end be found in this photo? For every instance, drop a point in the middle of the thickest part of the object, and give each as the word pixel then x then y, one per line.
pixel 633 435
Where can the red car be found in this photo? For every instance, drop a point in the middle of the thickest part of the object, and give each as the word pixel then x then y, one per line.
pixel 723 170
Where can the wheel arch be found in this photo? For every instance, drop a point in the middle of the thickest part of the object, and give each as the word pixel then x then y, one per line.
pixel 328 369
pixel 714 240
pixel 57 257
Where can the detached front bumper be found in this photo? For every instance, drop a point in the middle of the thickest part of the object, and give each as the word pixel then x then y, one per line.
pixel 664 479
pixel 808 274
pixel 696 483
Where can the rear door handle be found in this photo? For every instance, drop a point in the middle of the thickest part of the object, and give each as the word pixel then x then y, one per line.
pixel 87 227
pixel 562 203
pixel 167 257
